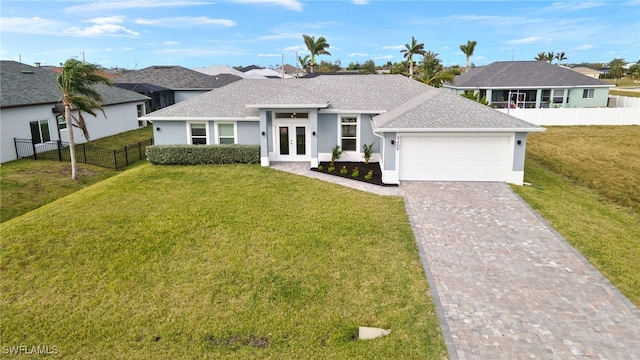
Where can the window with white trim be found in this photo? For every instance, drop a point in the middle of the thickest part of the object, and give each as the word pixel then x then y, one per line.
pixel 349 133
pixel 198 133
pixel 40 131
pixel 587 93
pixel 558 96
pixel 226 133
pixel 62 123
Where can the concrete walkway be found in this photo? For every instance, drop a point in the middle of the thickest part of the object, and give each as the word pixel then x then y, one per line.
pixel 505 284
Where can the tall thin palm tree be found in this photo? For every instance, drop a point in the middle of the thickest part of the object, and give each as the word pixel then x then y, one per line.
pixel 432 72
pixel 316 47
pixel 561 56
pixel 414 48
pixel 468 50
pixel 77 82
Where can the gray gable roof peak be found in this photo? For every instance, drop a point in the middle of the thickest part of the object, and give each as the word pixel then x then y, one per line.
pixel 291 97
pixel 522 74
pixel 25 85
pixel 437 109
pixel 176 78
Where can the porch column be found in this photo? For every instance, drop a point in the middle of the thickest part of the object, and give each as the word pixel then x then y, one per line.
pixel 313 127
pixel 538 98
pixel 264 135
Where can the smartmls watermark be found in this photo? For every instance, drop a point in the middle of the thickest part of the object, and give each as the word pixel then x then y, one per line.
pixel 30 350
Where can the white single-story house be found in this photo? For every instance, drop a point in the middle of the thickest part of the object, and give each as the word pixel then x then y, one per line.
pixel 30 109
pixel 532 85
pixel 418 132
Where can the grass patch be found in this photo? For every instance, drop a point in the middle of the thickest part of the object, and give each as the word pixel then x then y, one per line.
pixel 585 184
pixel 235 261
pixel 623 92
pixel 118 141
pixel 602 158
pixel 27 184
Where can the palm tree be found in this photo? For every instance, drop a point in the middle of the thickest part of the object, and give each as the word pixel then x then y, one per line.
pixel 414 49
pixel 560 56
pixel 78 93
pixel 304 62
pixel 468 50
pixel 316 47
pixel 550 56
pixel 616 68
pixel 542 56
pixel 432 71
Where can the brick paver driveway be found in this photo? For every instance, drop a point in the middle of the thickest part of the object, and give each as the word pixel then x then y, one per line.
pixel 507 286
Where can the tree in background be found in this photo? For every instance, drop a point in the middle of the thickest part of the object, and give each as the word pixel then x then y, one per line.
pixel 316 47
pixel 368 67
pixel 414 48
pixel 304 62
pixel 634 72
pixel 616 68
pixel 468 50
pixel 475 96
pixel 560 56
pixel 77 82
pixel 542 56
pixel 432 72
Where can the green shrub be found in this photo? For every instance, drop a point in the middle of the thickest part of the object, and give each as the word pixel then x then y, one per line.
pixel 203 154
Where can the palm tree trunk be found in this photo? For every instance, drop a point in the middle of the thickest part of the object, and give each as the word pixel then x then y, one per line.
pixel 467 69
pixel 72 145
pixel 410 69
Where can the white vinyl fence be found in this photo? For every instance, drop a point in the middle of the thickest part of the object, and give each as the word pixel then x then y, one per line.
pixel 578 116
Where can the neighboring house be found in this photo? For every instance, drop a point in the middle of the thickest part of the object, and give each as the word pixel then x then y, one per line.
pixel 159 97
pixel 290 70
pixel 221 69
pixel 31 109
pixel 593 73
pixel 185 83
pixel 254 71
pixel 418 132
pixel 532 84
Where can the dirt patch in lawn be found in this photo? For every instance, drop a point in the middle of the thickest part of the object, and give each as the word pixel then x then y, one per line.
pixel 347 169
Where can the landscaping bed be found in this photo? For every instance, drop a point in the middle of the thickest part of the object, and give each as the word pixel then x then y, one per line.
pixel 362 171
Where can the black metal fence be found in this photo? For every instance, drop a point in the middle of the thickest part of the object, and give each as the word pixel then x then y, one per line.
pixel 59 151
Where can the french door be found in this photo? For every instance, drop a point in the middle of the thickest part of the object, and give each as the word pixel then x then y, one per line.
pixel 292 141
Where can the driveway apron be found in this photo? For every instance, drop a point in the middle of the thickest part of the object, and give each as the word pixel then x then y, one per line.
pixel 507 286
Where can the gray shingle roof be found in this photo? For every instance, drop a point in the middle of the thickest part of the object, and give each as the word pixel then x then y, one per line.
pixel 24 85
pixel 176 78
pixel 522 74
pixel 403 103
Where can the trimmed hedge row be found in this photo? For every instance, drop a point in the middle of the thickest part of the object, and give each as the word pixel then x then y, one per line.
pixel 203 154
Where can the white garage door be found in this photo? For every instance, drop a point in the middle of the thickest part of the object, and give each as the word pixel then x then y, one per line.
pixel 455 157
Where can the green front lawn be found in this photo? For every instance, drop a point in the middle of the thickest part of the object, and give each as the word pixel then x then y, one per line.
pixel 216 261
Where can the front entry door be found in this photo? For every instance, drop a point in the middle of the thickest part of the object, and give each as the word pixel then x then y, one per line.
pixel 292 142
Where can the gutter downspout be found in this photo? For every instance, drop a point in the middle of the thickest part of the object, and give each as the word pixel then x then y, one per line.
pixel 383 144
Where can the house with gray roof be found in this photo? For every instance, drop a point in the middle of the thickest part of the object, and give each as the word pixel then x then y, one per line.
pixel 418 132
pixel 30 109
pixel 184 83
pixel 532 84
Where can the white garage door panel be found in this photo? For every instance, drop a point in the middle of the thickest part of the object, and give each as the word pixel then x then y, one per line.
pixel 454 158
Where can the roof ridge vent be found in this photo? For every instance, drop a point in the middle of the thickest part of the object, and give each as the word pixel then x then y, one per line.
pixel 28 72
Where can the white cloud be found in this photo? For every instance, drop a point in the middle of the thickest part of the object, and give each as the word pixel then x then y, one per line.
pixel 527 40
pixel 289 4
pixel 283 35
pixel 171 42
pixel 108 20
pixel 358 55
pixel 393 47
pixel 269 55
pixel 101 30
pixel 182 21
pixel 34 25
pixel 360 2
pixel 584 47
pixel 571 6
pixel 137 4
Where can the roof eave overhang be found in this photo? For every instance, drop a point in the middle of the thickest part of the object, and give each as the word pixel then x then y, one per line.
pixel 351 111
pixel 527 87
pixel 287 106
pixel 199 118
pixel 459 130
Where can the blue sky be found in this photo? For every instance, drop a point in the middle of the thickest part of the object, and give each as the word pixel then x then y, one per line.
pixel 199 33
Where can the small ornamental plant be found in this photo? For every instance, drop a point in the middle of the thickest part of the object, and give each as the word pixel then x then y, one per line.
pixel 367 149
pixel 355 173
pixel 320 167
pixel 369 175
pixel 344 170
pixel 331 168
